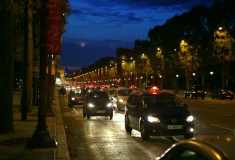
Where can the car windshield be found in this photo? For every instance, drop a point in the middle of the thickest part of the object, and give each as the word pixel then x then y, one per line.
pixel 161 101
pixel 98 95
pixel 124 92
pixel 78 92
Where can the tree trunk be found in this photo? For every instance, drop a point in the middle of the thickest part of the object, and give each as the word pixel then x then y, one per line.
pixel 6 67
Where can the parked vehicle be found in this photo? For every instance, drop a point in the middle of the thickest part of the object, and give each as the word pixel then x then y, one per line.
pixel 195 91
pixel 222 94
pixel 158 113
pixel 207 148
pixel 76 97
pixel 120 96
pixel 97 103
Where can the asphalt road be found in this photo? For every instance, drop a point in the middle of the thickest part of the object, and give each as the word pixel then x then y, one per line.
pixel 100 138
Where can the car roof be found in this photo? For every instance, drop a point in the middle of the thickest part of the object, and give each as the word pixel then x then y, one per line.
pixel 212 144
pixel 155 92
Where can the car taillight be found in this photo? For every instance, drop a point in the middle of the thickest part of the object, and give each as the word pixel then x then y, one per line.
pixel 223 92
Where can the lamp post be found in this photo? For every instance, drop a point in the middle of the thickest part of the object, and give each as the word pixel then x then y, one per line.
pixel 211 73
pixel 160 55
pixel 176 82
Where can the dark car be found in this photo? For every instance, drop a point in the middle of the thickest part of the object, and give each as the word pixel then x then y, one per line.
pixel 206 148
pixel 195 91
pixel 158 113
pixel 97 103
pixel 222 94
pixel 76 97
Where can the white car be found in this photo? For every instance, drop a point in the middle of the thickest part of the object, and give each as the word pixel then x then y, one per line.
pixel 120 96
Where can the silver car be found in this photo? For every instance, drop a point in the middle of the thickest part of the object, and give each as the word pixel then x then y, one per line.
pixel 120 96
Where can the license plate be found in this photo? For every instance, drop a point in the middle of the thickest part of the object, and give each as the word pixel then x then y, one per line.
pixel 228 96
pixel 174 127
pixel 101 111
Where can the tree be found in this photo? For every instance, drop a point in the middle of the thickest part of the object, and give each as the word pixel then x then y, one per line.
pixel 6 67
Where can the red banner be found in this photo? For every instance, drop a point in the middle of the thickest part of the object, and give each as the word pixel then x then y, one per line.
pixel 54 27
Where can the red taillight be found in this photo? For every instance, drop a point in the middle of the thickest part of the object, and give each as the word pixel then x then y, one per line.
pixel 223 92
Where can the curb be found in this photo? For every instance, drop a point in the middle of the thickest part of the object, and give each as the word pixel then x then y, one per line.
pixel 61 151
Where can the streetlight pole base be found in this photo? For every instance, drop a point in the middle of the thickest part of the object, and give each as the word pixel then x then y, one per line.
pixel 41 139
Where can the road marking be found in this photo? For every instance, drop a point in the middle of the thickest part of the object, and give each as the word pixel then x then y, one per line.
pixel 222 127
pixel 75 111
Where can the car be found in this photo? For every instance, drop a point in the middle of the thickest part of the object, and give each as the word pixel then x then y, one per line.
pixel 202 148
pixel 120 96
pixel 76 97
pixel 158 113
pixel 195 91
pixel 222 94
pixel 97 103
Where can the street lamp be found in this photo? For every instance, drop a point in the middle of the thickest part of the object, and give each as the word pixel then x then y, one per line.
pixel 176 82
pixel 211 73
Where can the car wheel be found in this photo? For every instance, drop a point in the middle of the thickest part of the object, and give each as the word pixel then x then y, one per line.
pixel 111 116
pixel 185 95
pixel 188 135
pixel 84 114
pixel 144 131
pixel 127 127
pixel 203 97
pixel 88 116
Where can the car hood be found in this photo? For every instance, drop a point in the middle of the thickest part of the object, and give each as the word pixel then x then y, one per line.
pixel 100 102
pixel 78 96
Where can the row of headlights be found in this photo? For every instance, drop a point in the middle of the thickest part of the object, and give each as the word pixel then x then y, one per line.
pixel 153 119
pixel 91 105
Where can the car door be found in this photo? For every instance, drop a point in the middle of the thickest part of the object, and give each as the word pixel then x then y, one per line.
pixel 136 112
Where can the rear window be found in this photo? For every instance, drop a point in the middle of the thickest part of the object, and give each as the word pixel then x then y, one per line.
pixel 124 92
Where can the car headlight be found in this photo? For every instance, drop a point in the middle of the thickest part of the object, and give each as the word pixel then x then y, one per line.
pixel 73 98
pixel 153 119
pixel 189 118
pixel 121 100
pixel 109 105
pixel 91 105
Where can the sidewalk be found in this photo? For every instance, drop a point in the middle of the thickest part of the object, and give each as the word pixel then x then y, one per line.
pixel 13 145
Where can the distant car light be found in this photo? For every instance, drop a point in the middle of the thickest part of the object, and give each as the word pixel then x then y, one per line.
pixel 73 98
pixel 91 105
pixel 190 118
pixel 153 119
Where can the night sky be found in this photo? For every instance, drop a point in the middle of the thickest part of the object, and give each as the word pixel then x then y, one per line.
pixel 97 28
